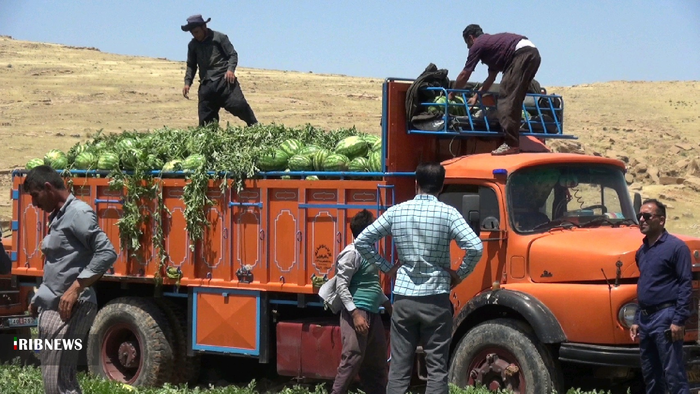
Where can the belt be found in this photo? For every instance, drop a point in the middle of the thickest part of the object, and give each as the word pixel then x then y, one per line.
pixel 655 308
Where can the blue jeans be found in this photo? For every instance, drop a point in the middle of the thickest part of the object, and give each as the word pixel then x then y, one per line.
pixel 662 360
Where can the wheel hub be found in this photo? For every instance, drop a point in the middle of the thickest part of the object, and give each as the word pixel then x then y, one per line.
pixel 497 373
pixel 121 353
pixel 128 354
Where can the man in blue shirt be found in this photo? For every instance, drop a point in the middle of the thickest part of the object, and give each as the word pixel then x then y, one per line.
pixel 422 230
pixel 663 292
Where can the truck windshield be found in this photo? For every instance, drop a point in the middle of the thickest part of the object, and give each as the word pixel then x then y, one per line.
pixel 544 197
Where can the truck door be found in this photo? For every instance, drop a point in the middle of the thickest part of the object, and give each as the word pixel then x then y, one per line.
pixel 480 204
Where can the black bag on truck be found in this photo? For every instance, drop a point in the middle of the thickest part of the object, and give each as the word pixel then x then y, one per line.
pixel 417 114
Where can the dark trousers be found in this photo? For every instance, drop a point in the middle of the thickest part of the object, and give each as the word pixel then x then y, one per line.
pixel 514 85
pixel 362 354
pixel 427 321
pixel 213 95
pixel 662 360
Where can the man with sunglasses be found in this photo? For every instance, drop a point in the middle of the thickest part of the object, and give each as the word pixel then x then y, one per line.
pixel 663 292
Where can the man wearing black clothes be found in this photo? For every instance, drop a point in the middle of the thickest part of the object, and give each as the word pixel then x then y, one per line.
pixel 518 59
pixel 213 54
pixel 663 292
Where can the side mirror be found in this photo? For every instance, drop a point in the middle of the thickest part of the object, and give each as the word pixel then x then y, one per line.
pixel 470 211
pixel 637 202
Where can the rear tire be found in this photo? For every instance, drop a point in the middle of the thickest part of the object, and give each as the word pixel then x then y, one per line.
pixel 186 368
pixel 526 366
pixel 128 343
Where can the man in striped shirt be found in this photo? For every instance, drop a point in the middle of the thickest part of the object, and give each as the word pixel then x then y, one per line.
pixel 422 230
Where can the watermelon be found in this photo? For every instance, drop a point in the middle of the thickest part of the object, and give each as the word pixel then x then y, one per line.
pixel 358 164
pixel 460 110
pixel 291 146
pixel 154 162
pixel 319 157
pixel 309 149
pixel 85 161
pixel 312 178
pixel 273 160
pixel 56 159
pixel 34 163
pixel 98 147
pixel 370 139
pixel 172 165
pixel 336 162
pixel 375 162
pixel 108 161
pixel 130 158
pixel 286 176
pixel 376 146
pixel 352 147
pixel 127 144
pixel 300 163
pixel 76 150
pixel 194 162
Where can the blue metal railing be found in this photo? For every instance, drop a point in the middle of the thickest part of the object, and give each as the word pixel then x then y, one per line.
pixel 543 116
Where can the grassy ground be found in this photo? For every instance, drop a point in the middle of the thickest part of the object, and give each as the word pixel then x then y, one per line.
pixel 15 379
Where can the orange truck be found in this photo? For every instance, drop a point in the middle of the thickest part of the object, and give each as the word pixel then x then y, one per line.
pixel 556 284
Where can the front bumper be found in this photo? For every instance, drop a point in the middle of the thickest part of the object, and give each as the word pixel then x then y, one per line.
pixel 626 356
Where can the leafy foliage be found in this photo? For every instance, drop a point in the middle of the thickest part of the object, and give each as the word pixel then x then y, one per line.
pixel 133 162
pixel 27 380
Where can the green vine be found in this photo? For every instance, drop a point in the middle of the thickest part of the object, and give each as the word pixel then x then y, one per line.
pixel 230 156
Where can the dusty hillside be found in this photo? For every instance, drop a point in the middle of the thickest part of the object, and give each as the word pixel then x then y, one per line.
pixel 54 96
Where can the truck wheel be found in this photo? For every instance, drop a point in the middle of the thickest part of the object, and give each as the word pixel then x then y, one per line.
pixel 503 354
pixel 187 368
pixel 128 343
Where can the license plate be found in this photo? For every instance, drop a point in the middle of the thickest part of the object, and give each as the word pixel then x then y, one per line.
pixel 24 321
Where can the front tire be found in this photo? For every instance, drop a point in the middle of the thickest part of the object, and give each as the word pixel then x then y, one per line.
pixel 128 343
pixel 504 354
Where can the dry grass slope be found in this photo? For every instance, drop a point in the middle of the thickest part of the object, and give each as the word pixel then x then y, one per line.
pixel 55 96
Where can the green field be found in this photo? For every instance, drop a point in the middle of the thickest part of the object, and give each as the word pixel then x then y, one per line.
pixel 15 379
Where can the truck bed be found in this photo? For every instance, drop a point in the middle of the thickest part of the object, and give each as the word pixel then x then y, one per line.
pixel 284 231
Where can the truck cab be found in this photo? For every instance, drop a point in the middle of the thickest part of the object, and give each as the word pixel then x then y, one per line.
pixel 557 280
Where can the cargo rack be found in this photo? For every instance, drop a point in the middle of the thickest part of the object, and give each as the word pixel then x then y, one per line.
pixel 544 115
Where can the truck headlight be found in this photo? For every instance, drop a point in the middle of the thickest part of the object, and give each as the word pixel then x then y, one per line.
pixel 626 314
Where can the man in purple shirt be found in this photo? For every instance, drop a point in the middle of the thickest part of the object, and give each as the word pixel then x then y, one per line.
pixel 518 59
pixel 664 289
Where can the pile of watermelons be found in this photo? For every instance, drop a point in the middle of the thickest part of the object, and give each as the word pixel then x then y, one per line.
pixel 236 150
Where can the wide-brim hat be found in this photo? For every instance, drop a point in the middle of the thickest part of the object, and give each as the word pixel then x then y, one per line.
pixel 194 21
